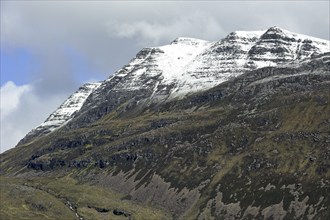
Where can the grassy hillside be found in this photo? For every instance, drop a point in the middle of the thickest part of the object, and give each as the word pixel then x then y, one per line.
pixel 65 198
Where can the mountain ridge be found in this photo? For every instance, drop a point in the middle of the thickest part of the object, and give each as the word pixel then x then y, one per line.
pixel 175 70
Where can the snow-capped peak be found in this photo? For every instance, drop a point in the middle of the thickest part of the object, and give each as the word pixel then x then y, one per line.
pixel 296 36
pixel 189 65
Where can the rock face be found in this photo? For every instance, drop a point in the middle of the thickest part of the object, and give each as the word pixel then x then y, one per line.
pixel 234 129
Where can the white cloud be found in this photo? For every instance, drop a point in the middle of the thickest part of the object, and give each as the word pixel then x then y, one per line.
pixel 197 24
pixel 21 110
pixel 10 97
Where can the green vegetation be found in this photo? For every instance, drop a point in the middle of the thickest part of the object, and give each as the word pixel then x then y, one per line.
pixel 21 201
pixel 49 198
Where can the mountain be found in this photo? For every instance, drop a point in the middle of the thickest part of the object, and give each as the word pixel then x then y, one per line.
pixel 232 129
pixel 186 66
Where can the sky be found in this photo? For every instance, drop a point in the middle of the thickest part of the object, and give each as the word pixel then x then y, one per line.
pixel 50 48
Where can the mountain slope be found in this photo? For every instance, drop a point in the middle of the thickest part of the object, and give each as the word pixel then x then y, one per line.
pixel 255 146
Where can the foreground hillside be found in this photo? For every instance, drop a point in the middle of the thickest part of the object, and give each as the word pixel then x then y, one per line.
pixel 256 146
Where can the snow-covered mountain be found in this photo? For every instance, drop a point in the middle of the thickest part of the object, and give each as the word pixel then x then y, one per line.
pixel 189 65
pixel 185 66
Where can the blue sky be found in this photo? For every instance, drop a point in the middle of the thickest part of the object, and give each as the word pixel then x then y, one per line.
pixel 50 48
pixel 16 65
pixel 19 65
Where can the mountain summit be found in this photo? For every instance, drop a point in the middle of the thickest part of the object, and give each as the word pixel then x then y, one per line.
pixel 232 129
